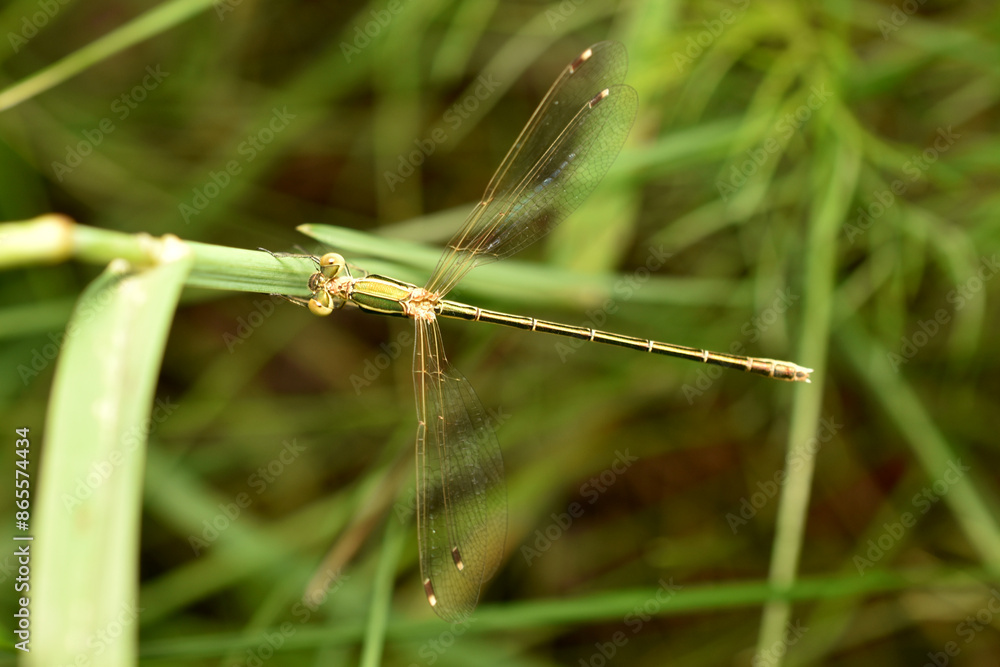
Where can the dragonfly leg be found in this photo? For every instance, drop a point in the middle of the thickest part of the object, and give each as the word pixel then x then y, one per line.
pixel 298 301
pixel 293 255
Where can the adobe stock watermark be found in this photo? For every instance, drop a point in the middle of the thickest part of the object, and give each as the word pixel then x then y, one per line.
pixel 605 652
pixel 769 488
pixel 773 654
pixel 927 329
pixel 696 44
pixel 248 149
pixel 41 358
pixel 272 641
pixel 103 639
pixel 623 290
pixel 404 509
pixel 784 129
pixel 323 584
pixel 432 649
pixel 365 34
pixel 31 24
pixel 223 7
pixel 915 168
pixel 258 482
pixel 753 330
pixel 121 108
pixel 457 114
pixel 922 502
pixel 591 490
pixel 898 17
pixel 101 471
pixel 967 630
pixel 84 314
pixel 374 366
pixel 246 326
pixel 111 633
pixel 562 12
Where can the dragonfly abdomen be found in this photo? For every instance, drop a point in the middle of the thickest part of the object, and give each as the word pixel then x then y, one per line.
pixel 781 370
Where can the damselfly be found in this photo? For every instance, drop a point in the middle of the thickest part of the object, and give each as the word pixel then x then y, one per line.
pixel 560 156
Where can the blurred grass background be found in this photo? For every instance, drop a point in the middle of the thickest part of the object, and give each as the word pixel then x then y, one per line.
pixel 824 178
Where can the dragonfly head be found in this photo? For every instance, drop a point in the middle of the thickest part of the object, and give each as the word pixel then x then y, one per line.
pixel 321 303
pixel 331 266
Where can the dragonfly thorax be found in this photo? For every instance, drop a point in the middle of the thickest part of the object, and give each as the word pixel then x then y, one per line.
pixel 421 304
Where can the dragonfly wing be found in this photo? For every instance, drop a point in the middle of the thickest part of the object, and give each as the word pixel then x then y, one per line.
pixel 461 495
pixel 559 158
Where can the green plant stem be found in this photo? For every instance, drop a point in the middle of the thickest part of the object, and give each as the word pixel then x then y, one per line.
pixel 52 239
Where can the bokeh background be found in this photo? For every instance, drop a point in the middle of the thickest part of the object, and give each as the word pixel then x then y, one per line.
pixel 823 180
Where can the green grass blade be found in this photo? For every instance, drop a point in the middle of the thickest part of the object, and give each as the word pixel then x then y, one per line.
pixel 378 615
pixel 92 471
pixel 151 23
pixel 974 507
pixel 794 503
pixel 518 281
pixel 624 607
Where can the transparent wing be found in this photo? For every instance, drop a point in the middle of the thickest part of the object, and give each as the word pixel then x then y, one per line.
pixel 559 158
pixel 461 495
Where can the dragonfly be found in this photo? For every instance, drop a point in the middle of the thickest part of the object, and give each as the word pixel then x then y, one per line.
pixel 560 156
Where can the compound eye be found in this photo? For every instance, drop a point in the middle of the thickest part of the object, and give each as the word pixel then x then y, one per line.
pixel 331 264
pixel 321 304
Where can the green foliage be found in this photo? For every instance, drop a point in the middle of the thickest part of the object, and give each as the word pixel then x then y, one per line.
pixel 822 176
